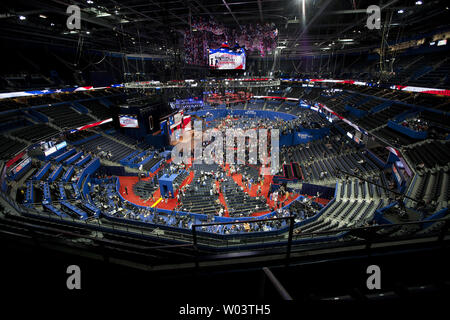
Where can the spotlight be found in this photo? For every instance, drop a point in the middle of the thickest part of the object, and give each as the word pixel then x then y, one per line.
pixel 400 11
pixel 22 18
pixel 419 3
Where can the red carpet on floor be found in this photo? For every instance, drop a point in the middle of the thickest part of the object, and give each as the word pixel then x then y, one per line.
pixel 171 204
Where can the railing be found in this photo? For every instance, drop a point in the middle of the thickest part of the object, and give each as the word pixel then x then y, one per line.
pixel 234 223
pixel 283 243
pixel 279 288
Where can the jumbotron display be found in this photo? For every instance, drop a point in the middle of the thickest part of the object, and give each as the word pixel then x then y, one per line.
pixel 128 121
pixel 227 59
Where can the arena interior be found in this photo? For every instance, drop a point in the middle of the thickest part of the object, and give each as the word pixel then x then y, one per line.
pixel 350 105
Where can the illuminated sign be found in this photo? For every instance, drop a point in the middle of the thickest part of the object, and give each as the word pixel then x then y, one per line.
pixel 227 59
pixel 128 121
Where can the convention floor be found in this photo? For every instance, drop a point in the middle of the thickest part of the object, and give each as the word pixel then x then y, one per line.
pixel 126 189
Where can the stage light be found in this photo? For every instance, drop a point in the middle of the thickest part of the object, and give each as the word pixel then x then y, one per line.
pixel 400 11
pixel 346 40
pixel 419 3
pixel 42 16
pixel 22 18
pixel 90 1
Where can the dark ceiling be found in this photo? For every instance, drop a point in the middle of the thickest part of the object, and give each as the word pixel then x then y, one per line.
pixel 156 27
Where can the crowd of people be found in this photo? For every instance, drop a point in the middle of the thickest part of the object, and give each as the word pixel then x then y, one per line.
pixel 114 206
pixel 415 124
pixel 105 198
pixel 280 196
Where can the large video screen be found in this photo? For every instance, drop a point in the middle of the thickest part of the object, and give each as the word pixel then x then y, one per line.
pixel 175 120
pixel 21 164
pixel 227 59
pixel 128 121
